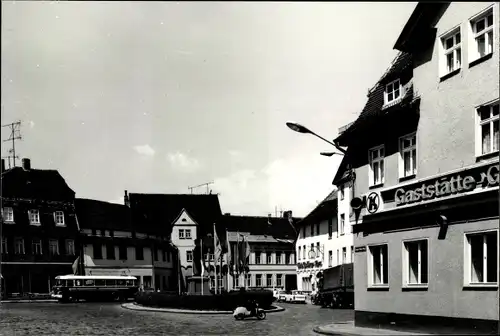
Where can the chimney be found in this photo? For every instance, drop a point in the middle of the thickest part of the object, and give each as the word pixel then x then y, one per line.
pixel 26 164
pixel 126 201
pixel 3 165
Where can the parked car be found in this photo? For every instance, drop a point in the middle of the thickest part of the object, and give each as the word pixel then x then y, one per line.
pixel 292 297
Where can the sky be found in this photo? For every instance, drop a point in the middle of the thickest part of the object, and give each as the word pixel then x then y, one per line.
pixel 155 97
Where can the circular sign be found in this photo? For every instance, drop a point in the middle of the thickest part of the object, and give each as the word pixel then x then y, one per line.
pixel 372 202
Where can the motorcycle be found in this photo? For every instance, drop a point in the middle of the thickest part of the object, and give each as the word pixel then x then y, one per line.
pixel 241 313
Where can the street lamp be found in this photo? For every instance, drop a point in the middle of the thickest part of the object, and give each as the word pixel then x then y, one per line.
pixel 302 129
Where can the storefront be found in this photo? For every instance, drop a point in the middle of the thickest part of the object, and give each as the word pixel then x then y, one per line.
pixel 427 253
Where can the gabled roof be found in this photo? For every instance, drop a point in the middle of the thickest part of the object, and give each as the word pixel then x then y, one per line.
pixel 93 214
pixel 41 184
pixel 326 209
pixel 275 227
pixel 156 213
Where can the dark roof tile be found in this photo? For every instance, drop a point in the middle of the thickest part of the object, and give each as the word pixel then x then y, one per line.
pixel 93 214
pixel 277 227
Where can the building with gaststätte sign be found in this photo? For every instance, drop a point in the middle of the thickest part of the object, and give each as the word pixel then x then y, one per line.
pixel 425 152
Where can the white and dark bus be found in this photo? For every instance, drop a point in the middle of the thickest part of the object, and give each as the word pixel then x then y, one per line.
pixel 72 288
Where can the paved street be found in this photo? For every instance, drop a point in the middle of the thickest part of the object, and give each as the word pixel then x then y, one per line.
pixel 111 319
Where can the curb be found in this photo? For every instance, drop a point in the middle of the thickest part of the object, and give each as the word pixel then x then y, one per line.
pixel 321 331
pixel 137 307
pixel 28 301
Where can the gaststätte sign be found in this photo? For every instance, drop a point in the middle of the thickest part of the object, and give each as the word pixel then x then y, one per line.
pixel 446 186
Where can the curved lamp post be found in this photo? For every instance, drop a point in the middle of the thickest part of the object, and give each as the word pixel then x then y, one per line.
pixel 302 129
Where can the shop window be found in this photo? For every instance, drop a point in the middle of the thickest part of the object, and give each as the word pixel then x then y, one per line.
pixel 376 158
pixel 415 262
pixel 482 258
pixel 378 266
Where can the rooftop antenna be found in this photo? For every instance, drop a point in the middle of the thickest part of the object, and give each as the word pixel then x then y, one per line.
pixel 15 134
pixel 201 185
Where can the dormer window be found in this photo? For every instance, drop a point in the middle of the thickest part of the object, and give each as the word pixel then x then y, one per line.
pixel 59 218
pixel 188 234
pixel 392 91
pixel 8 215
pixel 34 217
pixel 181 234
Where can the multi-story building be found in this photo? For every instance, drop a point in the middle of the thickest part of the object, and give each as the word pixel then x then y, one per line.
pixel 425 154
pixel 324 241
pixel 113 245
pixel 178 218
pixel 271 262
pixel 39 229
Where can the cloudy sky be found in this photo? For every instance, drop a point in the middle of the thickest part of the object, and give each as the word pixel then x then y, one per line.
pixel 159 96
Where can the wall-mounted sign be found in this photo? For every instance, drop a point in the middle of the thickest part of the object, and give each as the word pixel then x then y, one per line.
pixel 447 185
pixel 359 249
pixel 373 202
pixel 309 264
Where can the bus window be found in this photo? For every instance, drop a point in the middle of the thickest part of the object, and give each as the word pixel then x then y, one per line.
pixel 78 282
pixel 59 282
pixel 68 283
pixel 130 283
pixel 111 283
pixel 100 283
pixel 89 282
pixel 120 282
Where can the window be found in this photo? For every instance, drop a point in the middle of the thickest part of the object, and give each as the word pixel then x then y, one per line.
pixel 318 250
pixel 188 233
pixel 249 279
pixel 342 195
pixel 482 33
pixel 311 256
pixel 34 217
pixel 482 258
pixel 168 256
pixel 110 251
pixel 8 215
pixel 155 254
pixel 189 256
pixel 3 247
pixel 59 218
pixel 330 228
pixel 269 258
pixel 376 165
pixel 408 155
pixel 122 252
pixel 36 246
pixel 317 229
pixel 164 255
pixel 415 262
pixel 379 273
pixel 344 255
pixel 278 258
pixel 288 258
pixel 139 253
pixel 342 224
pixel 452 52
pixel 19 246
pixel 257 258
pixel 97 251
pixel 300 249
pixel 181 234
pixel 352 254
pixel 312 230
pixel 54 247
pixel 269 280
pixel 279 280
pixel 488 128
pixel 338 257
pixel 392 91
pixel 212 257
pixel 70 247
pixel 236 281
pixel 304 231
pixel 330 258
pixel 258 280
pixel 304 252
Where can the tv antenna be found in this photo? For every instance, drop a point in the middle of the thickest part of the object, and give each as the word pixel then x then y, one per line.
pixel 201 185
pixel 15 134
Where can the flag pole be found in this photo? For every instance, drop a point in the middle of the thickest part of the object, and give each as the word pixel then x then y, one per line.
pixel 228 261
pixel 202 265
pixel 179 271
pixel 237 264
pixel 215 261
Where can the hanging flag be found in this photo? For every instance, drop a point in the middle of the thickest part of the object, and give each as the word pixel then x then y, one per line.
pixel 247 252
pixel 242 253
pixel 217 246
pixel 76 266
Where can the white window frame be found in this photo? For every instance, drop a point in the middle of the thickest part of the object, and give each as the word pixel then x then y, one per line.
pixel 299 250
pixel 279 259
pixel 8 214
pixel 36 242
pixel 236 281
pixel 473 35
pixel 189 256
pixel 51 242
pixel 34 217
pixel 467 259
pixel 479 123
pixel 70 242
pixel 181 234
pixel 380 159
pixel 279 280
pixel 304 252
pixel 396 87
pixel 258 258
pixel 344 255
pixel 402 151
pixel 342 224
pixel 16 250
pixel 258 278
pixel 187 234
pixel 330 258
pixel 59 215
pixel 4 248
pixel 406 263
pixel 211 257
pixel 269 280
pixel 269 258
pixel 452 33
pixel 371 282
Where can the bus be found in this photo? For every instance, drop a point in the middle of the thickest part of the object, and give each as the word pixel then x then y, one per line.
pixel 72 288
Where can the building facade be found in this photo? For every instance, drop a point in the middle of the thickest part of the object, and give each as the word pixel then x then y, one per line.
pixel 425 155
pixel 324 239
pixel 271 256
pixel 39 229
pixel 112 245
